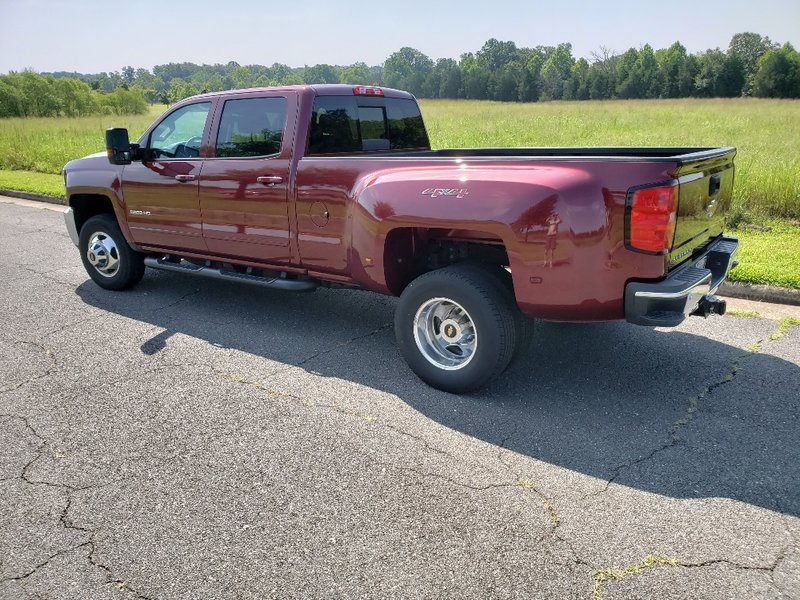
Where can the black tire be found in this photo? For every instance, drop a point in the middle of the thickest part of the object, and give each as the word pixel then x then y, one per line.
pixel 108 259
pixel 524 324
pixel 480 303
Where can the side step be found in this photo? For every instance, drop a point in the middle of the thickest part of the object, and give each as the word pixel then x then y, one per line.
pixel 276 283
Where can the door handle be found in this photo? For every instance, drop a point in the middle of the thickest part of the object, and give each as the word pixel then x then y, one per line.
pixel 714 184
pixel 183 178
pixel 269 179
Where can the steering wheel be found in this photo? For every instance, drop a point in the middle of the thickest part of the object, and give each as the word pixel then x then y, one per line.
pixel 187 149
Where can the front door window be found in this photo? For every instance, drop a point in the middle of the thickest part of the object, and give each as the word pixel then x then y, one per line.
pixel 180 134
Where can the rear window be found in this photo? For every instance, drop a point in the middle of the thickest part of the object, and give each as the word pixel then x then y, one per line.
pixel 365 124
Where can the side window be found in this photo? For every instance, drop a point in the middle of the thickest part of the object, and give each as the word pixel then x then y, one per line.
pixel 251 127
pixel 334 125
pixel 180 134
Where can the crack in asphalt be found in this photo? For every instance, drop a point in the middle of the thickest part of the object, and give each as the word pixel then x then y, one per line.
pixel 48 371
pixel 603 575
pixel 691 410
pixel 179 300
pixel 64 520
pixel 515 483
pixel 46 275
pixel 325 351
pixel 521 483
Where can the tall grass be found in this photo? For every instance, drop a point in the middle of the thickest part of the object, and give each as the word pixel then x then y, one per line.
pixel 45 144
pixel 766 133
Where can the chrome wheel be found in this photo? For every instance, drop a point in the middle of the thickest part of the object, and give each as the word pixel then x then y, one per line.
pixel 445 334
pixel 103 254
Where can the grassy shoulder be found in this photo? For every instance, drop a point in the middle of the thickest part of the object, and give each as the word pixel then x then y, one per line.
pixel 35 183
pixel 770 252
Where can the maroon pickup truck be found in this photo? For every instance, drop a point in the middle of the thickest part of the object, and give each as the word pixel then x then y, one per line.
pixel 298 187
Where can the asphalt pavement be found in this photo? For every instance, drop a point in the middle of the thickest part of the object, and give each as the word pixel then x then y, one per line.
pixel 197 439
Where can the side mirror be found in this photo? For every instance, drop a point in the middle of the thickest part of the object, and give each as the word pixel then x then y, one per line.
pixel 118 146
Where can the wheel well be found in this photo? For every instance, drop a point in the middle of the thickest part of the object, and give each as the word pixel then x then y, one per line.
pixel 86 206
pixel 411 251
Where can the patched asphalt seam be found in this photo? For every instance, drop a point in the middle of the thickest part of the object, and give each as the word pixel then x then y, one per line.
pixel 602 576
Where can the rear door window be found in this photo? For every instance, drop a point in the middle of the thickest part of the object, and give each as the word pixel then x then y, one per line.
pixel 251 127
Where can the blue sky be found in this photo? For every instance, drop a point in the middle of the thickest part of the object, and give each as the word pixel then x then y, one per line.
pixel 93 35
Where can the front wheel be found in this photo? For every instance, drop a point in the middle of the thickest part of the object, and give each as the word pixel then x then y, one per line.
pixel 456 327
pixel 106 255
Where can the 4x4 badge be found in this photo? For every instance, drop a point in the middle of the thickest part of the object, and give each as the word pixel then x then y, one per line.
pixel 436 192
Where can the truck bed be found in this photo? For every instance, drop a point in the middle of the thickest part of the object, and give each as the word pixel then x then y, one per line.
pixel 650 153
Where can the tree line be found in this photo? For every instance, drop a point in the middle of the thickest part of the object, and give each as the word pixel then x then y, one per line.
pixel 29 94
pixel 752 65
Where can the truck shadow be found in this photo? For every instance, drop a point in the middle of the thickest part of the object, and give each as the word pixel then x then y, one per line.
pixel 597 399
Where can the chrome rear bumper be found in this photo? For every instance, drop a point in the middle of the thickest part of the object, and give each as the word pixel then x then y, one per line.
pixel 689 290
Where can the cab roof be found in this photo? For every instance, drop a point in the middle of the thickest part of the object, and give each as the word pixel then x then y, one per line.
pixel 320 89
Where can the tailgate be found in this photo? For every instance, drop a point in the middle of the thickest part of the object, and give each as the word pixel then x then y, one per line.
pixel 704 198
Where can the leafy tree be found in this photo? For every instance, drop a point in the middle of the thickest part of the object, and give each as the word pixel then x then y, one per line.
pixel 320 74
pixel 241 77
pixel 556 71
pixel 12 103
pixel 279 72
pixel 474 78
pixel 128 75
pixel 124 102
pixel 719 75
pixel 749 47
pixel 505 84
pixel 494 55
pixel 778 74
pixel 75 98
pixel 577 87
pixel 444 80
pixel 629 84
pixel 677 71
pixel 183 71
pixel 530 84
pixel 355 73
pixel 180 89
pixel 407 69
pixel 208 81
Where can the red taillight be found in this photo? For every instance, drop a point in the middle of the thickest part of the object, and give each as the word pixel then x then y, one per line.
pixel 652 218
pixel 364 90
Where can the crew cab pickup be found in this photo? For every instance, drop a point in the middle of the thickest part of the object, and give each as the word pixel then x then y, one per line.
pixel 298 187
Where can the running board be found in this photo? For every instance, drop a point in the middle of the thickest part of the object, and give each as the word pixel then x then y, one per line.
pixel 275 283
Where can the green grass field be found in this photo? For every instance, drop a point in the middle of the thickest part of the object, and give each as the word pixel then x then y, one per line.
pixel 45 145
pixel 766 133
pixel 769 255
